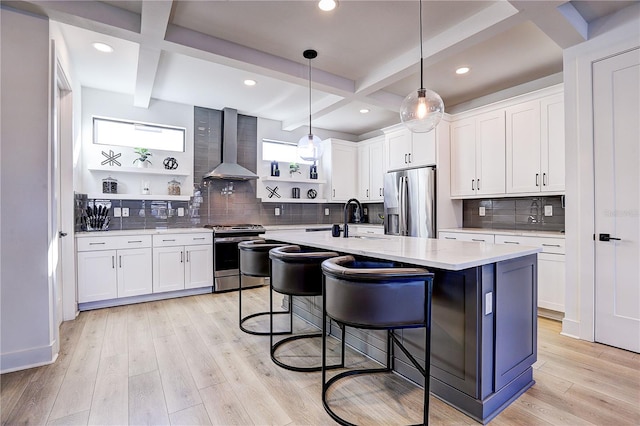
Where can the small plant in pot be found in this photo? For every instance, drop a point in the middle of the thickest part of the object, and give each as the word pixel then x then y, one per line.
pixel 143 156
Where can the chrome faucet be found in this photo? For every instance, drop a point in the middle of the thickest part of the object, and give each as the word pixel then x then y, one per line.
pixel 346 210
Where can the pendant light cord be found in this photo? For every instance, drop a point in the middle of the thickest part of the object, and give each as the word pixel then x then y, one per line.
pixel 421 65
pixel 310 97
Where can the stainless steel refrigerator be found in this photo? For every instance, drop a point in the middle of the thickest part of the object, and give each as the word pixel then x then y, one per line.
pixel 410 202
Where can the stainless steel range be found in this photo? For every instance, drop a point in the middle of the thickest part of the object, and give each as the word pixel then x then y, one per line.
pixel 226 271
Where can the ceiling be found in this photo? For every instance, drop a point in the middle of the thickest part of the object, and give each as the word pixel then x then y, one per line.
pixel 200 52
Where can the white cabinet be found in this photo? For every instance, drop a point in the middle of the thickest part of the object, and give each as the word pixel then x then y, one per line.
pixel 182 261
pixel 340 167
pixel 535 146
pixel 478 155
pixel 466 236
pixel 365 229
pixel 551 268
pixel 113 267
pixel 406 149
pixel 371 169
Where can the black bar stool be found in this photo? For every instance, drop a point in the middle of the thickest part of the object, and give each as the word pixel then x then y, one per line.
pixel 254 262
pixel 380 296
pixel 295 272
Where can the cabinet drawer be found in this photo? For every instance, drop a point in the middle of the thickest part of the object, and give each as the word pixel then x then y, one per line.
pixel 113 243
pixel 549 245
pixel 466 236
pixel 168 240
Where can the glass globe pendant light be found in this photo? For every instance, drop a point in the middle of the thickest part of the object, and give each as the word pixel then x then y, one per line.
pixel 421 110
pixel 310 146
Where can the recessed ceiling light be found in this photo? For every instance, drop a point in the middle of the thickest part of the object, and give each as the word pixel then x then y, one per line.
pixel 249 82
pixel 364 110
pixel 102 47
pixel 327 5
pixel 462 70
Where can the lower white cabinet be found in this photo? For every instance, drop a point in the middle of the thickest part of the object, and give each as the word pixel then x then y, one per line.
pixel 468 236
pixel 182 261
pixel 107 269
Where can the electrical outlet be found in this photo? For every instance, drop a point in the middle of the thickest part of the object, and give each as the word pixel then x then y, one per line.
pixel 548 210
pixel 482 211
pixel 117 212
pixel 277 211
pixel 326 212
pixel 180 211
pixel 125 212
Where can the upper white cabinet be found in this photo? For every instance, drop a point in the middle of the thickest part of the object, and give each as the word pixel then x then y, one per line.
pixel 535 146
pixel 478 155
pixel 406 150
pixel 371 169
pixel 340 167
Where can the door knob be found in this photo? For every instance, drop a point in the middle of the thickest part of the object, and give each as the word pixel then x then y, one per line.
pixel 608 237
pixel 62 234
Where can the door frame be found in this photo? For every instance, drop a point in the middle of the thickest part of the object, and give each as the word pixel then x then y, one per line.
pixel 621 34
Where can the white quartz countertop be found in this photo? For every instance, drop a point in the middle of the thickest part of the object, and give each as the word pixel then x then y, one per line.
pixel 544 234
pixel 115 233
pixel 429 252
pixel 270 228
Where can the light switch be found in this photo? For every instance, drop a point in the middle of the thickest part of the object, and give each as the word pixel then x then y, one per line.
pixel 180 211
pixel 548 210
pixel 326 212
pixel 277 211
pixel 117 212
pixel 482 211
pixel 125 212
pixel 488 303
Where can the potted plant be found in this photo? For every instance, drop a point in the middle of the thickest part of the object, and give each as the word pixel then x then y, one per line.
pixel 143 156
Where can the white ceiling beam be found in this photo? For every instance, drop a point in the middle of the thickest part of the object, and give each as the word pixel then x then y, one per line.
pixel 154 23
pixel 559 20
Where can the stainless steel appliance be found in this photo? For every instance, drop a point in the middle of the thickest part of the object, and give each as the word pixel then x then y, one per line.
pixel 410 202
pixel 226 272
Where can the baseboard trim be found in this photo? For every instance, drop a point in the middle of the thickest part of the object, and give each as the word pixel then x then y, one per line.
pixel 30 358
pixel 570 328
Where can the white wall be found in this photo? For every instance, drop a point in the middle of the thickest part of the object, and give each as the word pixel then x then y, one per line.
pixel 26 310
pixel 120 106
pixel 608 36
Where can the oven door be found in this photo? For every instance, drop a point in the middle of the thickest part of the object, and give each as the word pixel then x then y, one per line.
pixel 226 262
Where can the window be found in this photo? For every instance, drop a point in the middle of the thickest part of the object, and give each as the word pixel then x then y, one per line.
pixel 107 131
pixel 286 152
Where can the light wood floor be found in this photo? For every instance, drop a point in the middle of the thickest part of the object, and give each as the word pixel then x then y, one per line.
pixel 184 361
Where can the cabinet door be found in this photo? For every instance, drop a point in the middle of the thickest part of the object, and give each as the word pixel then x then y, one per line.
pixel 343 172
pixel 376 171
pixel 552 143
pixel 199 266
pixel 523 148
pixel 364 192
pixel 134 272
pixel 467 236
pixel 551 281
pixel 168 269
pixel 398 149
pixel 463 157
pixel 97 276
pixel 423 149
pixel 490 152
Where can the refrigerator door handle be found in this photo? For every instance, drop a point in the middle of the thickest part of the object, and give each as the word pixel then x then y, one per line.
pixel 402 225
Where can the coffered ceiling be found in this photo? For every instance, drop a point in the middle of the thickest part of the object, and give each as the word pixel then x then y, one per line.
pixel 200 52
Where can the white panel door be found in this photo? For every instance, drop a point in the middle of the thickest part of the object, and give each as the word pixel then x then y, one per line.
pixel 616 106
pixel 552 143
pixel 134 272
pixel 168 269
pixel 423 149
pixel 551 281
pixel 398 148
pixel 198 266
pixel 376 171
pixel 97 275
pixel 463 157
pixel 490 153
pixel 343 172
pixel 364 191
pixel 523 148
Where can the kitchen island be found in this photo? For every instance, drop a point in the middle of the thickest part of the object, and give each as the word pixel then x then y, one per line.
pixel 484 325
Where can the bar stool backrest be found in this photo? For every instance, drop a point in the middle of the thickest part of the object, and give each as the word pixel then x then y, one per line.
pixel 297 272
pixel 254 257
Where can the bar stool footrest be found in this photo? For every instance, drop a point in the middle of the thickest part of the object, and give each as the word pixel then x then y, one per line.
pixel 262 333
pixel 279 343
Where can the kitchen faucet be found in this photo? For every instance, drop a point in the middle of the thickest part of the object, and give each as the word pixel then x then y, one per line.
pixel 346 209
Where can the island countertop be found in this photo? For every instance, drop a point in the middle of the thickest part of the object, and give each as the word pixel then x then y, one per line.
pixel 434 253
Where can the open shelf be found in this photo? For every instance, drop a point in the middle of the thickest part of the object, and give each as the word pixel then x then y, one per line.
pixel 286 179
pixel 293 200
pixel 138 170
pixel 153 197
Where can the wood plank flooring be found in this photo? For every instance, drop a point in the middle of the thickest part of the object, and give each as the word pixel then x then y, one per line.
pixel 185 362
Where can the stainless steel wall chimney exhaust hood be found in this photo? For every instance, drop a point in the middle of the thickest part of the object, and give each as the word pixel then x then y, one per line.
pixel 229 169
